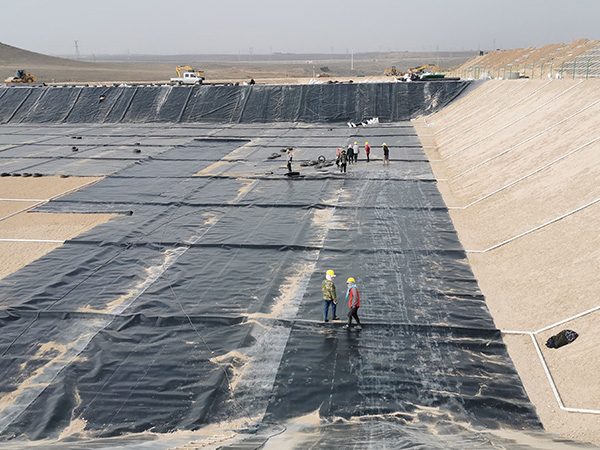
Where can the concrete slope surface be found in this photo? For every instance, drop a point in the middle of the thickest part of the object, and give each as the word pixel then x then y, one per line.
pixel 518 164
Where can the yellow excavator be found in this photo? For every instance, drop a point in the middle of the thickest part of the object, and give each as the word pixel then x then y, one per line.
pixel 21 76
pixel 419 70
pixel 187 69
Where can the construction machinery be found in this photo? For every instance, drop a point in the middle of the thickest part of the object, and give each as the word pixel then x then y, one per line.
pixel 21 76
pixel 393 72
pixel 422 68
pixel 423 73
pixel 187 69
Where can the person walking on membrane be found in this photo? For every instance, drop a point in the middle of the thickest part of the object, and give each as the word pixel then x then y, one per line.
pixel 386 154
pixel 353 297
pixel 329 296
pixel 289 159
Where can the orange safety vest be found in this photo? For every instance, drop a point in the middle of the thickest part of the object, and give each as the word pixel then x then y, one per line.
pixel 357 298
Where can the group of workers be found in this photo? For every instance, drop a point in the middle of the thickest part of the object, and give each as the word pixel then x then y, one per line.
pixel 330 299
pixel 350 155
pixel 347 156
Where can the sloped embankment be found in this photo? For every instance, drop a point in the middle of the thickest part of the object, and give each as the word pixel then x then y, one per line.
pixel 238 104
pixel 518 164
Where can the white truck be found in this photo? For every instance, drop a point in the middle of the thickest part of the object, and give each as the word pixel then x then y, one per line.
pixel 187 78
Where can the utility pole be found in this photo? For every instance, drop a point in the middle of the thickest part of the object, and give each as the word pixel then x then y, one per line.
pixel 352 60
pixel 77 56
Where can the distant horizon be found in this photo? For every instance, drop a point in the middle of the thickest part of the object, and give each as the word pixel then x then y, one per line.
pixel 265 27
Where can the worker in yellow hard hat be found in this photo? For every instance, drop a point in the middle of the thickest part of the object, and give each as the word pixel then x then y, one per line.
pixel 386 154
pixel 329 296
pixel 355 147
pixel 367 150
pixel 353 297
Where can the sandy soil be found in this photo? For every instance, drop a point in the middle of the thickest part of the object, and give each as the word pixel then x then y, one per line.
pixel 17 223
pixel 511 158
pixel 533 62
pixel 275 68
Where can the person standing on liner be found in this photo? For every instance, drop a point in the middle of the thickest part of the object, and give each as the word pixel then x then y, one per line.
pixel 386 154
pixel 289 159
pixel 350 154
pixel 367 150
pixel 329 296
pixel 353 297
pixel 355 147
pixel 343 160
pixel 338 156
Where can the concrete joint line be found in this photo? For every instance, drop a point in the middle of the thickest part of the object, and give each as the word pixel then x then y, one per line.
pixel 525 176
pixel 41 202
pixel 492 116
pixel 476 100
pixel 23 210
pixel 534 229
pixel 37 200
pixel 511 123
pixel 51 241
pixel 526 140
pixel 532 334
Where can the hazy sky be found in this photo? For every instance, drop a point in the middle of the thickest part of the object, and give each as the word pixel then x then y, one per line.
pixel 266 26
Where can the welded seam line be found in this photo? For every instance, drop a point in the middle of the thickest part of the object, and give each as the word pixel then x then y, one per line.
pixel 8 415
pixel 135 91
pixel 18 107
pixel 525 141
pixel 526 176
pixel 534 229
pixel 184 107
pixel 509 124
pixel 64 119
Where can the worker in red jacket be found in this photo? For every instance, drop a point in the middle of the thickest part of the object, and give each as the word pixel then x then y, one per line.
pixel 353 297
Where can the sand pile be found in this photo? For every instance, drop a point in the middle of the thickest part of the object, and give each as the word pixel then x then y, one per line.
pixel 518 163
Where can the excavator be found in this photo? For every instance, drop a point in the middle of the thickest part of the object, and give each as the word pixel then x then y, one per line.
pixel 187 69
pixel 419 70
pixel 424 73
pixel 21 76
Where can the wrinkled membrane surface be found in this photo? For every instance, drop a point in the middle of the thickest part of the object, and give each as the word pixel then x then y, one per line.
pixel 199 306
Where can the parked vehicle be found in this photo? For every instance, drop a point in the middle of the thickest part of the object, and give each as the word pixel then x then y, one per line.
pixel 187 78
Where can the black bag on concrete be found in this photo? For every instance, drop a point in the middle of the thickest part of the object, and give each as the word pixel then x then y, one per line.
pixel 563 338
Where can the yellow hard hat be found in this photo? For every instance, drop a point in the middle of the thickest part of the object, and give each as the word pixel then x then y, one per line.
pixel 350 280
pixel 356 143
pixel 366 143
pixel 384 143
pixel 330 272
